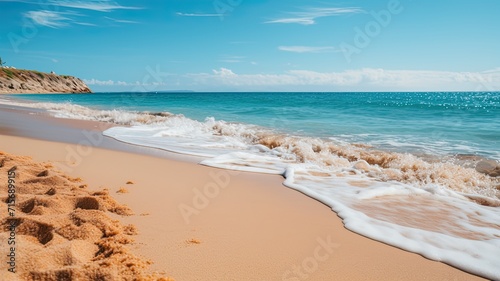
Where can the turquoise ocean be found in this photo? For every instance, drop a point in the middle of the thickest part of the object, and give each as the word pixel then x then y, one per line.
pixel 385 162
pixel 437 123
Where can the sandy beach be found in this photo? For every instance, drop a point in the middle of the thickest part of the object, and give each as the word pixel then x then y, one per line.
pixel 199 223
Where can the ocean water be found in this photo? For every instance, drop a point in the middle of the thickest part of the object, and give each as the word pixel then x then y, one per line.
pixel 396 167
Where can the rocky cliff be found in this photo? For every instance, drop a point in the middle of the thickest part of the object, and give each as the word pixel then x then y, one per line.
pixel 17 81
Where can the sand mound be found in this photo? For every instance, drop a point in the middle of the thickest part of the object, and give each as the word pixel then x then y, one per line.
pixel 62 230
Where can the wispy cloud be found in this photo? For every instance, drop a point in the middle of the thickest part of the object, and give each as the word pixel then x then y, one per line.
pixel 120 20
pixel 94 5
pixel 197 15
pixel 309 16
pixel 307 49
pixel 84 23
pixel 232 59
pixel 494 70
pixel 71 14
pixel 48 18
pixel 33 2
pixel 303 21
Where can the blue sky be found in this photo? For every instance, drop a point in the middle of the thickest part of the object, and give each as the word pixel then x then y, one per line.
pixel 257 45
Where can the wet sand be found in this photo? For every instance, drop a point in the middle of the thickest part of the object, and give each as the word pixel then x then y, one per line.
pixel 199 223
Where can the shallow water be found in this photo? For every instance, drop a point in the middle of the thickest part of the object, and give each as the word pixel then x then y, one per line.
pixel 397 167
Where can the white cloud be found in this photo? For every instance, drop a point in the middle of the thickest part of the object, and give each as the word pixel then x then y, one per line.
pixel 92 82
pixel 307 49
pixel 57 19
pixel 197 15
pixel 303 21
pixel 48 18
pixel 310 15
pixel 495 70
pixel 94 5
pixel 224 72
pixel 355 80
pixel 366 79
pixel 120 21
pixel 232 59
pixel 84 23
pixel 97 82
pixel 21 1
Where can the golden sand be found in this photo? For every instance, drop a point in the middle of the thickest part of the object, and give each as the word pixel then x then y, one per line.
pixel 63 231
pixel 256 229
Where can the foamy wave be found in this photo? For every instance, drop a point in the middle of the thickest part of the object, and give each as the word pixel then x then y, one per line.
pixel 421 204
pixel 212 138
pixel 119 117
pixel 400 199
pixel 419 145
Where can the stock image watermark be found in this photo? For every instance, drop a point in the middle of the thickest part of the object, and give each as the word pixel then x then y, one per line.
pixel 75 154
pixel 224 7
pixel 486 81
pixel 364 36
pixel 11 213
pixel 202 197
pixel 29 29
pixel 151 80
pixel 310 264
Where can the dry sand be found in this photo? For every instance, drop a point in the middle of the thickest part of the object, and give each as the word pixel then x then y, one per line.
pixel 236 226
pixel 57 229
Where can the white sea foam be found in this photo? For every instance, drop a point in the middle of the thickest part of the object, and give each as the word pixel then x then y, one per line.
pixel 426 207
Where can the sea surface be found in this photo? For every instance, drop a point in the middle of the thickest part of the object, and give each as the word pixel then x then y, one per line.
pixel 396 167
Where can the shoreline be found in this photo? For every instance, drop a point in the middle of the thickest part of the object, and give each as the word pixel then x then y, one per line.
pixel 249 226
pixel 39 124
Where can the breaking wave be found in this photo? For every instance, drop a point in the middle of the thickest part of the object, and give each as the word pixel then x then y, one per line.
pixel 439 206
